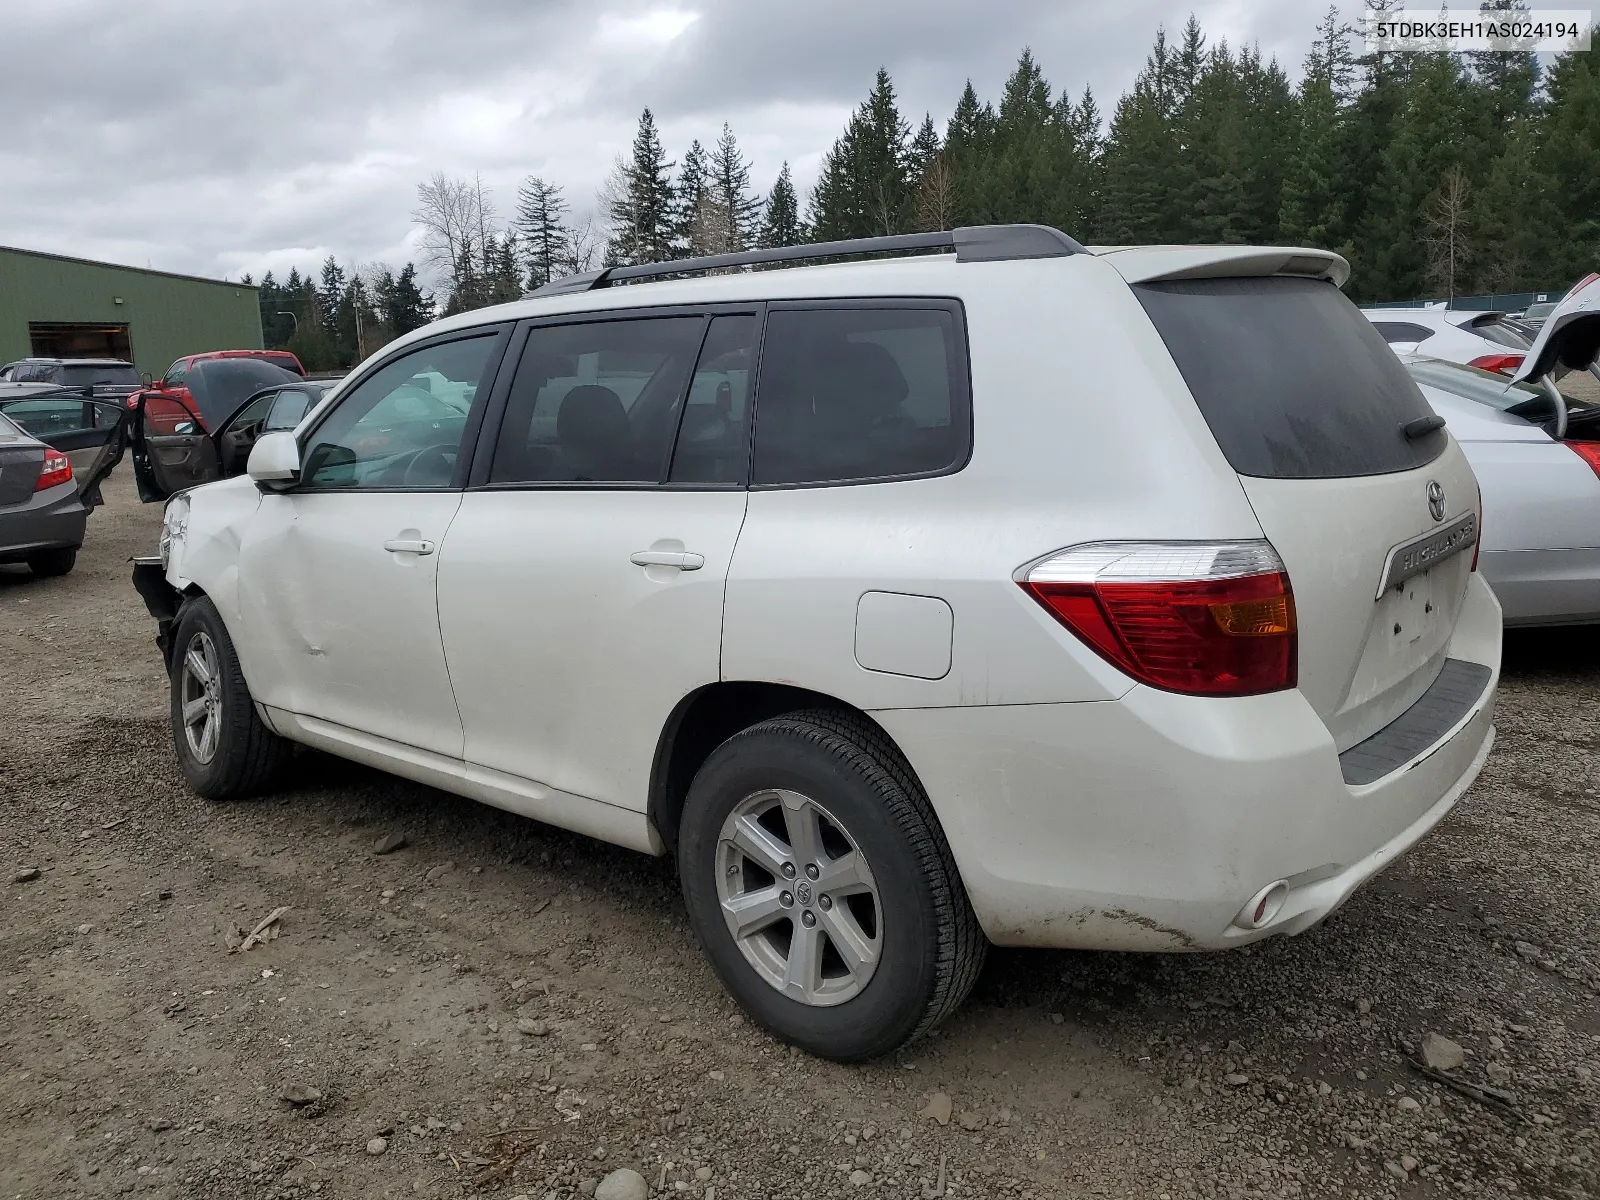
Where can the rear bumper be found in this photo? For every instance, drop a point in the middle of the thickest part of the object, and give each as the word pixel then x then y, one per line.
pixel 1149 822
pixel 52 519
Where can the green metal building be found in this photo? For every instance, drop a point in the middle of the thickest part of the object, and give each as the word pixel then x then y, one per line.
pixel 57 307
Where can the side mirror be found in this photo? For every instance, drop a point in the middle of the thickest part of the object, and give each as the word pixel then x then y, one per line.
pixel 145 380
pixel 274 461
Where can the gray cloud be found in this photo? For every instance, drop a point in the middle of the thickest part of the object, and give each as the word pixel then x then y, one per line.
pixel 205 138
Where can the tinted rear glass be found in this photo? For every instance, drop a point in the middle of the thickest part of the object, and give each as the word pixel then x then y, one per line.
pixel 79 375
pixel 1294 382
pixel 859 393
pixel 1500 331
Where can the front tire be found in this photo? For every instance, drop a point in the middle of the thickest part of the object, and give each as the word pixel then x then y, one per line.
pixel 48 564
pixel 223 748
pixel 822 888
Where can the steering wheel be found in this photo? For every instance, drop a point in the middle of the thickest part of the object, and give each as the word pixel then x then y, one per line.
pixel 431 466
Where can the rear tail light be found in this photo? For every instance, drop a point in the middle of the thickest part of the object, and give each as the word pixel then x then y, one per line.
pixel 1200 618
pixel 1589 452
pixel 1505 364
pixel 57 469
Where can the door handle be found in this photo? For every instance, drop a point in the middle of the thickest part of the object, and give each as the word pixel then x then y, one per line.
pixel 682 559
pixel 409 546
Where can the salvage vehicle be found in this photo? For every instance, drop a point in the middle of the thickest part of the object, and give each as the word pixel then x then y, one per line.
pixel 1534 444
pixel 211 385
pixel 174 449
pixel 44 506
pixel 982 589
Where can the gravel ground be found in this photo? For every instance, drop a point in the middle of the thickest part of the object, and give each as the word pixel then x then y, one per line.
pixel 502 1009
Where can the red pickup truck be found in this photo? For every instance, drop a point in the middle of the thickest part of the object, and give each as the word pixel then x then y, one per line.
pixel 185 391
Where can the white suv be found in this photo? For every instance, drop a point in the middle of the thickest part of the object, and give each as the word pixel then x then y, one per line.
pixel 1017 593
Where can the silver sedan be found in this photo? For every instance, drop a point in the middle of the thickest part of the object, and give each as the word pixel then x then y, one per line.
pixel 1540 536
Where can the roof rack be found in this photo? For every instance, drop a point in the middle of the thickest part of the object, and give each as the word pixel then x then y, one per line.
pixel 975 243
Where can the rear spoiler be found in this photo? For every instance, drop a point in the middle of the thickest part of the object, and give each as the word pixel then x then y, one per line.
pixel 1147 264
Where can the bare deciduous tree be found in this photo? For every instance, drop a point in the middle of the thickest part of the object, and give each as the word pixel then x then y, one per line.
pixel 936 195
pixel 449 224
pixel 1445 225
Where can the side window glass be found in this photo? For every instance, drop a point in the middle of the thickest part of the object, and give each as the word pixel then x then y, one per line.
pixel 288 410
pixel 596 402
pixel 175 373
pixel 713 437
pixel 400 427
pixel 859 393
pixel 1402 331
pixel 50 418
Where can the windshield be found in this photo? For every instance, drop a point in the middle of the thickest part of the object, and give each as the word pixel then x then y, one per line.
pixel 89 374
pixel 1484 387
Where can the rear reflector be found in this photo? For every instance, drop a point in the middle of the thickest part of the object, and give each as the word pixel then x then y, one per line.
pixel 57 469
pixel 1505 364
pixel 1588 451
pixel 1200 618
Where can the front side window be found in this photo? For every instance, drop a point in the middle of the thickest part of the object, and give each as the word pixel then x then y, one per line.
pixel 176 373
pixel 401 427
pixel 288 409
pixel 856 393
pixel 596 402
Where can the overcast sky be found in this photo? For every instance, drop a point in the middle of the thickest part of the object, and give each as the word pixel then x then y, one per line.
pixel 217 138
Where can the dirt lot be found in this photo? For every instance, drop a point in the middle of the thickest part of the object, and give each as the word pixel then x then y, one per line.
pixel 517 1011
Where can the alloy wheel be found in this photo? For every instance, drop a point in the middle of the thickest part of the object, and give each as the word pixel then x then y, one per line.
pixel 200 681
pixel 799 897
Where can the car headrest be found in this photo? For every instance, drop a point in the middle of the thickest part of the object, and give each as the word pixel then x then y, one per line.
pixel 591 417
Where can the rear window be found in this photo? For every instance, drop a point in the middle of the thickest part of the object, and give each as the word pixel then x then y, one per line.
pixel 1293 380
pixel 861 392
pixel 1500 331
pixel 287 361
pixel 79 375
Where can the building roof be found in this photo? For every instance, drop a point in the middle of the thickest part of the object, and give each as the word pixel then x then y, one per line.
pixel 90 262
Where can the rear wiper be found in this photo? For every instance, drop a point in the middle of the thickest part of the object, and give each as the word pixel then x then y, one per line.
pixel 1422 427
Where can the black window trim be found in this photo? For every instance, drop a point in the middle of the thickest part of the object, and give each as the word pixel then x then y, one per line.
pixel 960 378
pixel 465 457
pixel 494 413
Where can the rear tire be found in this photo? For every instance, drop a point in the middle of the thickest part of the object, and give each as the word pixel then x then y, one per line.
pixel 223 748
pixel 47 564
pixel 860 937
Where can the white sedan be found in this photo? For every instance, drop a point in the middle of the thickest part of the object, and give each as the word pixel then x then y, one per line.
pixel 1490 341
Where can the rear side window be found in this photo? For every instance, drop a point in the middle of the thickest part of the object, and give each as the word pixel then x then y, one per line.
pixel 1294 382
pixel 861 392
pixel 1402 331
pixel 597 402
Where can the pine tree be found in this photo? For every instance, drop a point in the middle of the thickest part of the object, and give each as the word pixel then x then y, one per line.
pixel 1569 157
pixel 541 209
pixel 330 296
pixel 1144 177
pixel 642 214
pixel 694 178
pixel 923 150
pixel 780 224
pixel 863 189
pixel 1311 212
pixel 729 174
pixel 967 140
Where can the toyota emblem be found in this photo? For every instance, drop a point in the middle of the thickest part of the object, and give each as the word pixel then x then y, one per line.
pixel 1436 499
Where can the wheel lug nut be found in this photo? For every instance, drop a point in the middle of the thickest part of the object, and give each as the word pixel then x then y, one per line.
pixel 808 918
pixel 811 871
pixel 786 899
pixel 788 870
pixel 825 903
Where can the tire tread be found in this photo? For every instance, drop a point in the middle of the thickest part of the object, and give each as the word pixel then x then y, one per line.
pixel 863 746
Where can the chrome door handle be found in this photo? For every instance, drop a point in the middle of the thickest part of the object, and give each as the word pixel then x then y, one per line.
pixel 409 546
pixel 682 559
